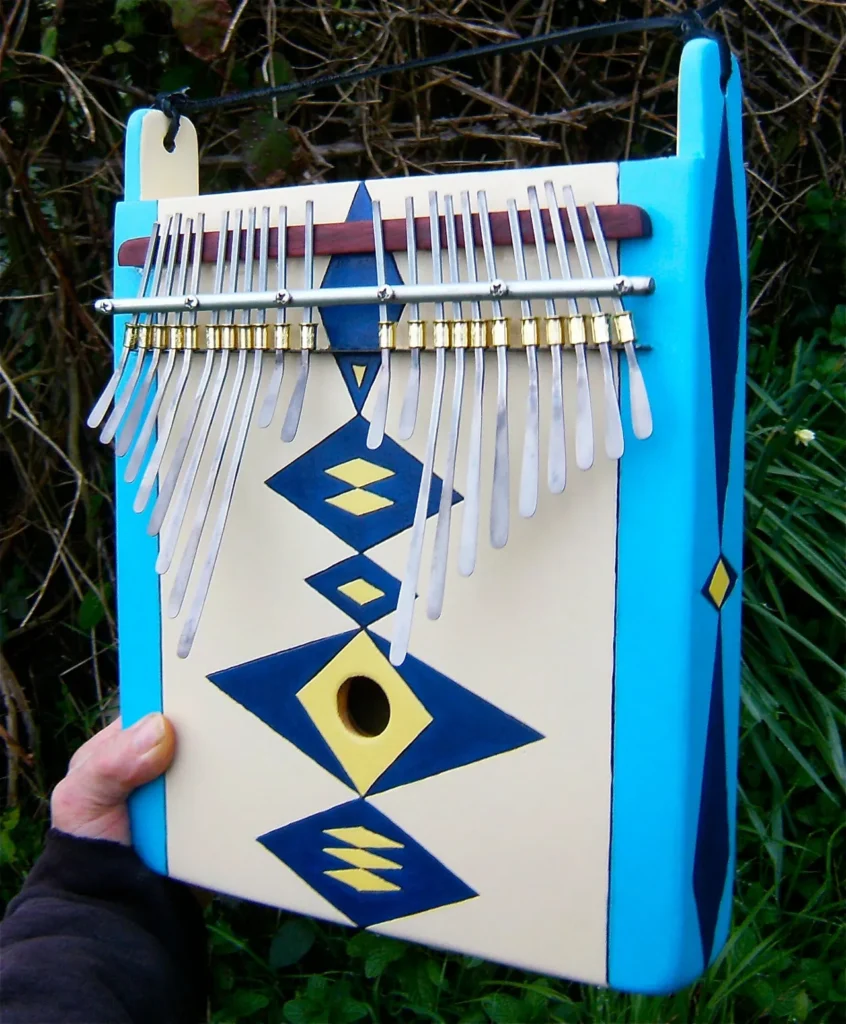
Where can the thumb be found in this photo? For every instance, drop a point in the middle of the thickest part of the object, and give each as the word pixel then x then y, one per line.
pixel 90 801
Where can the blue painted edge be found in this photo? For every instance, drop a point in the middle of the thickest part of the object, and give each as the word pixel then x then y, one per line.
pixel 668 540
pixel 138 600
pixel 733 526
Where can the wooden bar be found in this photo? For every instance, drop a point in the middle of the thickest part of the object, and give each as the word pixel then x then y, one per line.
pixel 619 222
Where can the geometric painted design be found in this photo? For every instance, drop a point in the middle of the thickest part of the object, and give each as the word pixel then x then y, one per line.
pixel 720 583
pixel 359 502
pixel 414 882
pixel 359 587
pixel 316 483
pixel 363 758
pixel 723 297
pixel 463 728
pixel 361 591
pixel 359 472
pixel 711 859
pixel 356 328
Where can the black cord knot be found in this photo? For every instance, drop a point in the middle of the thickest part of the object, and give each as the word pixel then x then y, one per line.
pixel 173 105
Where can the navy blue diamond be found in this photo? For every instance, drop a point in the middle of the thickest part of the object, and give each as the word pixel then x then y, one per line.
pixel 307 483
pixel 356 328
pixel 414 880
pixel 711 860
pixel 358 567
pixel 723 295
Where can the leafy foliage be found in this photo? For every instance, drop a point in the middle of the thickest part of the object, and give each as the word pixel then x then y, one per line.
pixel 68 83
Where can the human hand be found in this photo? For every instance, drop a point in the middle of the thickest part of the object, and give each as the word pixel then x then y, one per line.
pixel 90 801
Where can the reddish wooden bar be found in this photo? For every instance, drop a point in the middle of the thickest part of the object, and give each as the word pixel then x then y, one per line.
pixel 619 222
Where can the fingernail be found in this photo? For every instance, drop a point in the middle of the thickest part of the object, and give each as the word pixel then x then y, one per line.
pixel 148 733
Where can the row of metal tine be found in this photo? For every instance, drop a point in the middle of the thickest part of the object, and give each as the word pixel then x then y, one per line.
pixel 172 266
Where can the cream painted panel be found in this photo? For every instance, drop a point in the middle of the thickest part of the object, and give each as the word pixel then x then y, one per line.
pixel 531 631
pixel 164 174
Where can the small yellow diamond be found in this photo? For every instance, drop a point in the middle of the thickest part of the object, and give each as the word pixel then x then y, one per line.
pixel 361 591
pixel 720 584
pixel 363 757
pixel 362 837
pixel 360 472
pixel 362 881
pixel 362 858
pixel 358 502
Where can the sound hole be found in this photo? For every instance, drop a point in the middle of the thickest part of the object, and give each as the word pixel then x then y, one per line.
pixel 364 706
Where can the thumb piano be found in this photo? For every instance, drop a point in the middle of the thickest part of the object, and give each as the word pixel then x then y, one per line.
pixel 429 501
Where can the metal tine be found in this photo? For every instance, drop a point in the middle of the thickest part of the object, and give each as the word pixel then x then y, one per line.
pixel 121 405
pixel 192 622
pixel 408 413
pixel 613 423
pixel 376 430
pixel 145 488
pixel 528 503
pixel 271 396
pixel 95 417
pixel 189 554
pixel 584 413
pixel 500 492
pixel 468 546
pixel 556 472
pixel 143 440
pixel 440 551
pixel 133 417
pixel 408 588
pixel 170 534
pixel 638 398
pixel 307 328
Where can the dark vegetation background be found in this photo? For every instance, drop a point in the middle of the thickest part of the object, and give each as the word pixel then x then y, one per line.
pixel 70 72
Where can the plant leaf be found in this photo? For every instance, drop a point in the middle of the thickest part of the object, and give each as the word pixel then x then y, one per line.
pixel 201 25
pixel 291 943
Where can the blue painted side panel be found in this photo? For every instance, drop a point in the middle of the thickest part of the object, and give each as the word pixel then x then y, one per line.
pixel 138 602
pixel 668 544
pixel 733 524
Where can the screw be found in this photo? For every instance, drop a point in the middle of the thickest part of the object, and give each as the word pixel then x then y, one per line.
pixel 384 293
pixel 104 306
pixel 283 298
pixel 191 302
pixel 499 288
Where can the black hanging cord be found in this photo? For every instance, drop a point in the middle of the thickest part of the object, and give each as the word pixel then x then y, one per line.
pixel 690 24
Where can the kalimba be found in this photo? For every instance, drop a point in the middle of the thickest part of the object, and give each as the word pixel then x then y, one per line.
pixel 426 679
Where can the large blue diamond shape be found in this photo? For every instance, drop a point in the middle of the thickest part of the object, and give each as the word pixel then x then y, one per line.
pixel 307 483
pixel 723 296
pixel 464 729
pixel 358 567
pixel 356 328
pixel 417 881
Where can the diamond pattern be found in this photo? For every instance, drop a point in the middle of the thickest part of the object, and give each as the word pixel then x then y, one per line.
pixel 415 881
pixel 360 518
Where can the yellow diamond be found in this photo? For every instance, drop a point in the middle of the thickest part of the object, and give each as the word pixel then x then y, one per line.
pixel 360 472
pixel 362 837
pixel 361 591
pixel 359 502
pixel 362 858
pixel 720 583
pixel 363 756
pixel 362 881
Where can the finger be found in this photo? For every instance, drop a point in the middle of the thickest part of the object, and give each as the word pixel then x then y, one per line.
pixel 92 744
pixel 91 800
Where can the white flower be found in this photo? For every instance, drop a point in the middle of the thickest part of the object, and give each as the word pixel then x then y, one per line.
pixel 804 436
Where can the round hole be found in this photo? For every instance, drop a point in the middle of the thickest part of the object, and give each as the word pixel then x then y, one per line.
pixel 364 706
